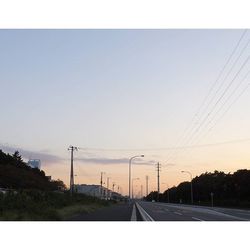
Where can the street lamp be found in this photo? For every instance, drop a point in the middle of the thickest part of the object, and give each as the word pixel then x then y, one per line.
pixel 129 173
pixel 192 199
pixel 133 186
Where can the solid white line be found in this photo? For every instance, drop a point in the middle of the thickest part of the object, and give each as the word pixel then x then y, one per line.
pixel 196 219
pixel 145 216
pixel 177 213
pixel 133 217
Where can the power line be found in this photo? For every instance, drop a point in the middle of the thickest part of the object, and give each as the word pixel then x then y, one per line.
pixel 181 147
pixel 218 100
pixel 225 78
pixel 235 100
pixel 228 98
pixel 213 86
pixel 190 138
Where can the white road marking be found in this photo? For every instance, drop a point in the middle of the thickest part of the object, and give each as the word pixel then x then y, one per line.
pixel 194 218
pixel 145 216
pixel 178 213
pixel 133 217
pixel 205 210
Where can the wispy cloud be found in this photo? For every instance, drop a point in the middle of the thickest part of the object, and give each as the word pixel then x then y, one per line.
pixel 105 161
pixel 28 154
pixel 114 161
pixel 48 158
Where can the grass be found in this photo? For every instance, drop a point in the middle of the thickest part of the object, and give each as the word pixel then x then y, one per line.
pixel 68 212
pixel 33 205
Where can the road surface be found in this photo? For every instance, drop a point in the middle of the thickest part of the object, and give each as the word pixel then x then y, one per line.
pixel 118 212
pixel 156 211
pixel 177 212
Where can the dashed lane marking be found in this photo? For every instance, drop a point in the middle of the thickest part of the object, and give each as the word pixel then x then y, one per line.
pixel 194 218
pixel 178 213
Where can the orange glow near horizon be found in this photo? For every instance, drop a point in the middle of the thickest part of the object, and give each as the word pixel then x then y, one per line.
pixel 227 158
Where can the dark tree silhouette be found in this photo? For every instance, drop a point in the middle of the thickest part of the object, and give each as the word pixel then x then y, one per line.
pixel 232 190
pixel 17 156
pixel 15 174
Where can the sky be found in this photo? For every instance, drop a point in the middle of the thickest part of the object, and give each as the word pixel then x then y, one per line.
pixel 120 93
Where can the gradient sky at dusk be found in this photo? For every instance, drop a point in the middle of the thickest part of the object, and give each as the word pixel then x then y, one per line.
pixel 134 91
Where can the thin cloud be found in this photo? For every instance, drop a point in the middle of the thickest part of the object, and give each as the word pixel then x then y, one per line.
pixel 113 161
pixel 27 154
pixel 105 161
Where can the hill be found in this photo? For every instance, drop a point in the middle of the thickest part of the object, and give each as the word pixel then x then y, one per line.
pixel 16 174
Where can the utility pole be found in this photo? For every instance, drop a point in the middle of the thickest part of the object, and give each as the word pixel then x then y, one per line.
pixel 108 187
pixel 72 149
pixel 158 181
pixel 102 173
pixel 146 185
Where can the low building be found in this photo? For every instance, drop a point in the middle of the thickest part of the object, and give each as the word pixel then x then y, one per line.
pixel 92 190
pixel 97 191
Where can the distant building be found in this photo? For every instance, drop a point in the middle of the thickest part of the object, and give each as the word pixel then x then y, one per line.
pixel 92 190
pixel 34 163
pixel 97 191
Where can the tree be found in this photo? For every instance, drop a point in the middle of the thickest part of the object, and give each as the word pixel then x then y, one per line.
pixel 231 190
pixel 17 156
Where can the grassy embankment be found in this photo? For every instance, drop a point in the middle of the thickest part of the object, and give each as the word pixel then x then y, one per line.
pixel 30 205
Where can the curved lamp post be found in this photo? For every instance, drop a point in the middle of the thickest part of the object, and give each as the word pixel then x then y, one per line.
pixel 192 199
pixel 129 172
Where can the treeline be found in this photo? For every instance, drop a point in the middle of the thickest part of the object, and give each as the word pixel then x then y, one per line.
pixel 230 190
pixel 16 174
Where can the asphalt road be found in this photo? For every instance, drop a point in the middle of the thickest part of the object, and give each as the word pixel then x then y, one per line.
pixel 163 212
pixel 178 212
pixel 118 212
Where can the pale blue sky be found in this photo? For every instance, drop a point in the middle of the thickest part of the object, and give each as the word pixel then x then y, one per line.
pixel 108 88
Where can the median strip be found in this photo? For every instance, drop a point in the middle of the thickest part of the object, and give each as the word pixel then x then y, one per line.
pixel 145 216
